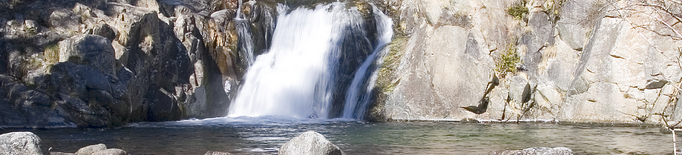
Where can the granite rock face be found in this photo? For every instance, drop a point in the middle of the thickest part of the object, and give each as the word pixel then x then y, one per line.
pixel 582 62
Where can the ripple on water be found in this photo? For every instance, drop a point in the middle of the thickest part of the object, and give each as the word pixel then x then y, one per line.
pixel 265 135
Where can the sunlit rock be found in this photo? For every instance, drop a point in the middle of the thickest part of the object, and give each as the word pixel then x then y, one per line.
pixel 21 143
pixel 310 143
pixel 90 149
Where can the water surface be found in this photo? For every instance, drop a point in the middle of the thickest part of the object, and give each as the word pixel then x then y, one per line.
pixel 266 135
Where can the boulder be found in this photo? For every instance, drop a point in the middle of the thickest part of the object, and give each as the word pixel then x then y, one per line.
pixel 111 152
pixel 90 149
pixel 535 151
pixel 21 143
pixel 310 143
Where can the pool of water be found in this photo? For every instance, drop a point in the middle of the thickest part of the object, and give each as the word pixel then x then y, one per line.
pixel 266 135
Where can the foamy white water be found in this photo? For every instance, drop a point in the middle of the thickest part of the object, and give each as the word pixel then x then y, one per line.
pixel 357 99
pixel 293 78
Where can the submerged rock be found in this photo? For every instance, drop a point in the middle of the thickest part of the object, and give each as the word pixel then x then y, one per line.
pixel 310 143
pixel 21 143
pixel 535 151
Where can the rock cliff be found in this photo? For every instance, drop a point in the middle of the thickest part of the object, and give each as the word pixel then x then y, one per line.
pixel 99 63
pixel 563 60
pixel 104 63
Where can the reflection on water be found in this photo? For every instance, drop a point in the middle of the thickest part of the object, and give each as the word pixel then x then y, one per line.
pixel 265 135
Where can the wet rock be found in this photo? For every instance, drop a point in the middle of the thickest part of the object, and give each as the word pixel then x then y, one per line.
pixel 21 143
pixel 111 152
pixel 535 151
pixel 90 149
pixel 310 143
pixel 61 153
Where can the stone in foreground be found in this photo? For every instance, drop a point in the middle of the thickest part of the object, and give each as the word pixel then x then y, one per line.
pixel 535 151
pixel 90 149
pixel 310 143
pixel 111 152
pixel 20 143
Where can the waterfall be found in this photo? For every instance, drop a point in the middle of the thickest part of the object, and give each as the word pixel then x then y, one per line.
pixel 357 99
pixel 245 44
pixel 308 55
pixel 292 78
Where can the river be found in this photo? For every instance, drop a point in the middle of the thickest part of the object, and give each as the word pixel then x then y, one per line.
pixel 264 135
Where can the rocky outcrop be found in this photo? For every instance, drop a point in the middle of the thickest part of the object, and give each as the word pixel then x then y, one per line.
pixel 310 143
pixel 20 143
pixel 572 61
pixel 535 151
pixel 103 64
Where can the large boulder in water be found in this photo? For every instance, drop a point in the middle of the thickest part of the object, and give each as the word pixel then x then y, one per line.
pixel 90 149
pixel 310 143
pixel 535 150
pixel 111 152
pixel 21 143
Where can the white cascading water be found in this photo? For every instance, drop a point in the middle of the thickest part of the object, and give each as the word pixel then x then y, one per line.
pixel 292 78
pixel 295 77
pixel 357 99
pixel 244 33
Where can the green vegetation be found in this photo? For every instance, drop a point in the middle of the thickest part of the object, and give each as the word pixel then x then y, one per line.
pixel 518 11
pixel 387 80
pixel 390 62
pixel 508 61
pixel 51 53
pixel 552 8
